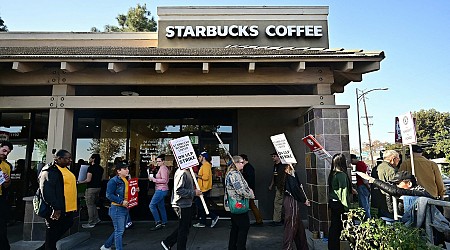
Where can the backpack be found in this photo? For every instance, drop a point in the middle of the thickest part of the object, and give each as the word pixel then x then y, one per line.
pixel 40 207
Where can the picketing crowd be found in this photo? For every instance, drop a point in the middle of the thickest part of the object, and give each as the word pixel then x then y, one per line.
pixel 58 187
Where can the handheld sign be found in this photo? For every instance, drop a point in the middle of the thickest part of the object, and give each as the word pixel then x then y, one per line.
pixel 317 149
pixel 2 178
pixel 408 130
pixel 186 158
pixel 283 149
pixel 184 152
pixel 132 192
pixel 83 172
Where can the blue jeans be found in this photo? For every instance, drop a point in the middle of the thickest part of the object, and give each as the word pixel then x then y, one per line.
pixel 156 204
pixel 408 206
pixel 363 199
pixel 118 216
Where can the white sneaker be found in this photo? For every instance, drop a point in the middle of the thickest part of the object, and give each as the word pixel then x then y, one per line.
pixel 214 222
pixel 198 225
pixel 104 248
pixel 88 225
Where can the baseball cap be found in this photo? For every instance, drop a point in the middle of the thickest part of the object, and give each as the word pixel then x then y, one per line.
pixel 121 165
pixel 401 176
pixel 204 154
pixel 274 153
pixel 417 149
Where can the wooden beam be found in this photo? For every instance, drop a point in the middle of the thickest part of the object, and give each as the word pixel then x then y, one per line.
pixel 161 67
pixel 205 68
pixel 323 89
pixel 298 67
pixel 251 67
pixel 26 67
pixel 186 102
pixel 71 67
pixel 117 67
pixel 345 66
pixel 366 67
pixel 27 102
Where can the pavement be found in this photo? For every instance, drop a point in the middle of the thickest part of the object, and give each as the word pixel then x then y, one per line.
pixel 140 237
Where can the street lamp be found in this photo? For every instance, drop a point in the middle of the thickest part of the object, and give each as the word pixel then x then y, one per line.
pixel 362 96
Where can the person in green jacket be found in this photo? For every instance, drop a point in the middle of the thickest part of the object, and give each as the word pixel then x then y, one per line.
pixel 339 191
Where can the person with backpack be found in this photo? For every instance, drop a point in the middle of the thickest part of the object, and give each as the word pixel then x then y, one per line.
pixel 59 191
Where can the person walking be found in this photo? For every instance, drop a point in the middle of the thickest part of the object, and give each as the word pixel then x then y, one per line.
pixel 362 185
pixel 182 196
pixel 161 180
pixel 94 183
pixel 237 188
pixel 278 167
pixel 117 193
pixel 294 231
pixel 339 191
pixel 249 175
pixel 5 167
pixel 59 190
pixel 205 184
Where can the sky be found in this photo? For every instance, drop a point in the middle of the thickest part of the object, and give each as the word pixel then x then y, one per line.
pixel 414 35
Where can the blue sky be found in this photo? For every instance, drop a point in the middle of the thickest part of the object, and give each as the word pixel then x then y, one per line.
pixel 414 35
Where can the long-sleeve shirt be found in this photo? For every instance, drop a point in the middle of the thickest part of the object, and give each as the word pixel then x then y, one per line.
pixel 340 189
pixel 183 189
pixel 205 177
pixel 427 174
pixel 161 179
pixel 386 172
pixel 237 187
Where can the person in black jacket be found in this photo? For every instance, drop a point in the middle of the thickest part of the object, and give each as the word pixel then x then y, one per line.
pixel 249 175
pixel 403 184
pixel 293 197
pixel 59 190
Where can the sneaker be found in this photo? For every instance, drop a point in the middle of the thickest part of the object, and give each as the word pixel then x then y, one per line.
pixel 276 223
pixel 88 225
pixel 97 221
pixel 257 224
pixel 214 222
pixel 104 248
pixel 164 245
pixel 157 227
pixel 198 225
pixel 129 225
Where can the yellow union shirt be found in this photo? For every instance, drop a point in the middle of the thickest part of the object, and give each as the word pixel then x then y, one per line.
pixel 6 170
pixel 70 189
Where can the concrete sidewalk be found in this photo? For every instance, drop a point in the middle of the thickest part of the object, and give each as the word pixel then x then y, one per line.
pixel 140 237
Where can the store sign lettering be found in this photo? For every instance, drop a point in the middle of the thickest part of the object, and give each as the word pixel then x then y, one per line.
pixel 252 31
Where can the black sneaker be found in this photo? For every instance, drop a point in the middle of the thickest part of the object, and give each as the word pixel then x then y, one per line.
pixel 164 245
pixel 157 227
pixel 257 224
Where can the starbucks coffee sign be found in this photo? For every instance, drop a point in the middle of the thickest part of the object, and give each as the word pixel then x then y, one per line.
pixel 200 31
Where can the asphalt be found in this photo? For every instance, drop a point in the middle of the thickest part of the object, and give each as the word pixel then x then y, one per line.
pixel 140 237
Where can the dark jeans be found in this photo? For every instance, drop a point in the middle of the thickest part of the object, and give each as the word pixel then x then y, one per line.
pixel 180 234
pixel 56 229
pixel 334 233
pixel 294 232
pixel 201 210
pixel 240 224
pixel 4 243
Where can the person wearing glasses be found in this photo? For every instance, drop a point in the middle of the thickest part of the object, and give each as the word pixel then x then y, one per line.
pixel 237 188
pixel 59 189
pixel 386 172
pixel 161 180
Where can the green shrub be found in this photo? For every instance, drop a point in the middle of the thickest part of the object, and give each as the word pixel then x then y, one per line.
pixel 376 234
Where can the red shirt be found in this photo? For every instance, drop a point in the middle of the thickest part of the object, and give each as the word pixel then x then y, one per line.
pixel 360 167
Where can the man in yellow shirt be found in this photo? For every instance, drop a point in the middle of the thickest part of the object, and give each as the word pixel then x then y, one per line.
pixel 5 167
pixel 59 189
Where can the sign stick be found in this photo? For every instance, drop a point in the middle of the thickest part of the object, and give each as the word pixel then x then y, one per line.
pixel 198 187
pixel 412 159
pixel 224 148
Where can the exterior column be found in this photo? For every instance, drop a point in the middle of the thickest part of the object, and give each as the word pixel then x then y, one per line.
pixel 329 125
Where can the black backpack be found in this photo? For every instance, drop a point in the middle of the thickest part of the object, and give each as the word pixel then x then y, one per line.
pixel 40 207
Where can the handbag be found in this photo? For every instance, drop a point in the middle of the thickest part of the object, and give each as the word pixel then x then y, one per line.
pixel 238 206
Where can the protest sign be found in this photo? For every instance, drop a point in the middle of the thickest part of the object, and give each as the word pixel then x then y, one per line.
pixel 315 146
pixel 132 192
pixel 83 172
pixel 184 152
pixel 2 178
pixel 408 129
pixel 283 149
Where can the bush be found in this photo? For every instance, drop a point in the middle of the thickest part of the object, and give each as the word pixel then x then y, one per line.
pixel 376 234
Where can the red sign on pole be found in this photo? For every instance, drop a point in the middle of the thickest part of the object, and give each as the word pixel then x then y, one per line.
pixel 132 192
pixel 315 146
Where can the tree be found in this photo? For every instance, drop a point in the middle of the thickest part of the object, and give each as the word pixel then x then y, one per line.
pixel 137 19
pixel 433 132
pixel 2 25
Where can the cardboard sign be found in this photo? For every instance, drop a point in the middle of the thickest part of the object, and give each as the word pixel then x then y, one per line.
pixel 2 178
pixel 133 192
pixel 184 152
pixel 315 146
pixel 407 129
pixel 283 149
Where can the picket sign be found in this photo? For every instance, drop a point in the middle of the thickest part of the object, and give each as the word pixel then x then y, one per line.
pixel 132 192
pixel 408 131
pixel 186 158
pixel 317 149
